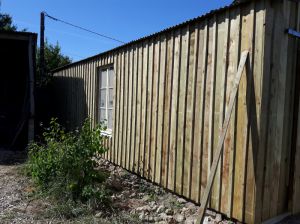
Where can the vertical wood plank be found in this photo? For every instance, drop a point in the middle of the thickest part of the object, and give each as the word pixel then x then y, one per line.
pixel 128 110
pixel 148 150
pixel 125 108
pixel 174 110
pixel 115 118
pixel 139 107
pixel 229 144
pixel 161 103
pixel 181 119
pixel 203 110
pixel 191 117
pixel 189 111
pixel 121 109
pixel 144 108
pixel 155 96
pixel 170 41
pixel 133 108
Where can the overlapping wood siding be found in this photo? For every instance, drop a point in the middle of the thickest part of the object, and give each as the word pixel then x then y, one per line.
pixel 171 93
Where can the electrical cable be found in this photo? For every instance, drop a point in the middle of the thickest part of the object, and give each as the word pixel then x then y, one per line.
pixel 82 28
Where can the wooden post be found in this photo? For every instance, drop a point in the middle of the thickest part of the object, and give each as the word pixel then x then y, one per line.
pixel 31 91
pixel 219 148
pixel 42 46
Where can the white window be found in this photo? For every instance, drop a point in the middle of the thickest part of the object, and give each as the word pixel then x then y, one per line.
pixel 106 101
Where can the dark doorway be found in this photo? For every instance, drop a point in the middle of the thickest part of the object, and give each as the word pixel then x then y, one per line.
pixel 14 99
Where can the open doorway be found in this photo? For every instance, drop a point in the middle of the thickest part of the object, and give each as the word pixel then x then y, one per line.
pixel 14 92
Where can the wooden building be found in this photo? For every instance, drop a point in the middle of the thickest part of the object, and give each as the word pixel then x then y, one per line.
pixel 17 69
pixel 164 98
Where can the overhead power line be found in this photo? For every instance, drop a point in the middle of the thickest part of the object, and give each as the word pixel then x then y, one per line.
pixel 82 28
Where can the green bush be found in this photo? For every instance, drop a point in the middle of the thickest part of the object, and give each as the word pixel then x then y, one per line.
pixel 65 163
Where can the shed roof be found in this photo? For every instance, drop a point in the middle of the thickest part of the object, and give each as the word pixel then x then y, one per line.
pixel 20 35
pixel 199 18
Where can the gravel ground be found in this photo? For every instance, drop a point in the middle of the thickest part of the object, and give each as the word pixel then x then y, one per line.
pixel 134 200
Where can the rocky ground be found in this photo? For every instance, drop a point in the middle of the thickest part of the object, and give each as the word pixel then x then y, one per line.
pixel 134 200
pixel 150 203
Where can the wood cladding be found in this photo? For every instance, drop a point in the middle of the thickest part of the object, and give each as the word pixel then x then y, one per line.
pixel 171 93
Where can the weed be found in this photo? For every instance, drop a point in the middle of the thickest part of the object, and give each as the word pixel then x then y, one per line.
pixel 64 164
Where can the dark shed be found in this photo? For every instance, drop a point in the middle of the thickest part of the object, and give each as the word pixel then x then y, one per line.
pixel 17 72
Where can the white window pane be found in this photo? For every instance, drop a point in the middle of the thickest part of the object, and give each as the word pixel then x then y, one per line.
pixel 103 78
pixel 111 77
pixel 109 119
pixel 102 102
pixel 102 116
pixel 110 98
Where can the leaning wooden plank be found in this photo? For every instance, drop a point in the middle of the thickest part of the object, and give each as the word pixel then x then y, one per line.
pixel 219 147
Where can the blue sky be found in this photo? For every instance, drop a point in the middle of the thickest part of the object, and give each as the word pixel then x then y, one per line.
pixel 125 20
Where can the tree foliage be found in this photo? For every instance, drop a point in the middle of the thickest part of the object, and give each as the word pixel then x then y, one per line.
pixel 6 23
pixel 53 59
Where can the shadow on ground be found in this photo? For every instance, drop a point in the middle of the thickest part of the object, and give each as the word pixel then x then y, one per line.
pixel 9 157
pixel 291 220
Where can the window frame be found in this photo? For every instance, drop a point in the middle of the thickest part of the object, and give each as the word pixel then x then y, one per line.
pixel 107 88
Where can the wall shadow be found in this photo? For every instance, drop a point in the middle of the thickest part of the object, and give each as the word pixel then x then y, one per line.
pixel 64 98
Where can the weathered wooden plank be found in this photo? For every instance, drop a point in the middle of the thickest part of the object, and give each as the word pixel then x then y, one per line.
pixel 252 135
pixel 211 98
pixel 115 121
pixel 139 107
pixel 129 106
pixel 144 107
pixel 220 77
pixel 229 144
pixel 278 121
pixel 174 110
pixel 154 117
pixel 148 168
pixel 204 109
pixel 170 41
pixel 137 111
pixel 121 108
pixel 189 111
pixel 195 169
pixel 125 108
pixel 183 79
pixel 291 14
pixel 161 103
pixel 222 69
pixel 296 179
pixel 133 112
pixel 181 111
pixel 116 106
pixel 233 94
pixel 242 140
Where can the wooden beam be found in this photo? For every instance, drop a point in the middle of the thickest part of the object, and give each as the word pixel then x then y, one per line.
pixel 219 148
pixel 31 90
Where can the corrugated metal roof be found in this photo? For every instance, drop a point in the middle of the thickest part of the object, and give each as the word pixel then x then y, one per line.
pixel 199 18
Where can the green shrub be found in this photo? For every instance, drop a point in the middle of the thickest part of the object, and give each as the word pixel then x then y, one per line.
pixel 65 163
